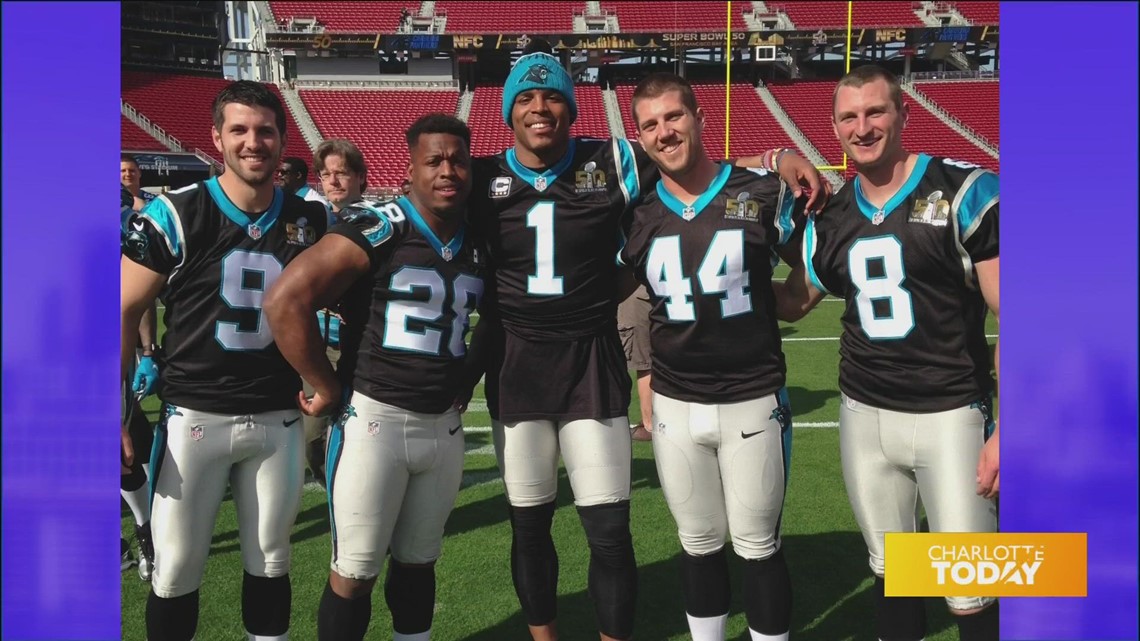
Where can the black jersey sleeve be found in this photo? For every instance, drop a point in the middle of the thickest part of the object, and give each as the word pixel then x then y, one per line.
pixel 374 228
pixel 154 237
pixel 975 210
pixel 647 172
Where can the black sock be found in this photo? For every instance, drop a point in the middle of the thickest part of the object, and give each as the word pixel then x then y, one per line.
pixel 898 618
pixel 173 619
pixel 341 619
pixel 768 594
pixel 979 626
pixel 266 604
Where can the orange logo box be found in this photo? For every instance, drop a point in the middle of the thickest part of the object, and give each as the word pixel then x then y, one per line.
pixel 981 565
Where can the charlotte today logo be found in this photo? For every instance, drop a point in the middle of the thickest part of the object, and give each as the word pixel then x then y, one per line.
pixel 986 565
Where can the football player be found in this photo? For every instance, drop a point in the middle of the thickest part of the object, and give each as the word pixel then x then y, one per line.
pixel 911 245
pixel 344 176
pixel 293 177
pixel 130 175
pixel 705 241
pixel 133 483
pixel 409 275
pixel 229 417
pixel 551 210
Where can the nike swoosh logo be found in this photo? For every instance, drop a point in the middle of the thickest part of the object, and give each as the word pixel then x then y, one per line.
pixel 288 423
pixel 743 435
pixel 455 429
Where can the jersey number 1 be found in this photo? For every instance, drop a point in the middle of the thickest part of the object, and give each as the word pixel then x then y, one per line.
pixel 887 250
pixel 543 282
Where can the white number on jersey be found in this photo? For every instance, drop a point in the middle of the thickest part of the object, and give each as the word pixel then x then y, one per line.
pixel 234 292
pixel 887 250
pixel 721 272
pixel 467 291
pixel 960 164
pixel 543 282
pixel 393 212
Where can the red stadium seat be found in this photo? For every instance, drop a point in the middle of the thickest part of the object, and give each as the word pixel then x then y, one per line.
pixel 973 103
pixel 376 121
pixel 655 17
pixel 833 15
pixel 549 16
pixel 182 106
pixel 133 138
pixel 354 17
pixel 980 13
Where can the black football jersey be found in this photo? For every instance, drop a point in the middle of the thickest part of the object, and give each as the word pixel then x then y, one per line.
pixel 552 236
pixel 714 335
pixel 914 323
pixel 219 261
pixel 406 322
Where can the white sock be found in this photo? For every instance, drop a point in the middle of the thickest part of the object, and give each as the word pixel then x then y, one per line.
pixel 756 636
pixel 419 636
pixel 707 628
pixel 139 500
pixel 257 637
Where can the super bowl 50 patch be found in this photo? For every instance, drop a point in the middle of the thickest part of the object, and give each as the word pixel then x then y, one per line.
pixel 932 210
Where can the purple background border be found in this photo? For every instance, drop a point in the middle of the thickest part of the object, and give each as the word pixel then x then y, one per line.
pixel 1069 331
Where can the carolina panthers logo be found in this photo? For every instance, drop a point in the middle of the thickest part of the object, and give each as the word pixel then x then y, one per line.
pixel 783 415
pixel 136 244
pixel 537 74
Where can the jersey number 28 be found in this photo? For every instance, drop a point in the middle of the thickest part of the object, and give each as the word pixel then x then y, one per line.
pixel 466 291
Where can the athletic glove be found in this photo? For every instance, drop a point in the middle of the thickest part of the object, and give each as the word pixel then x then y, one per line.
pixel 146 376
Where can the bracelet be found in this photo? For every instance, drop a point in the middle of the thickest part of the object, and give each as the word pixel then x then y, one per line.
pixel 776 160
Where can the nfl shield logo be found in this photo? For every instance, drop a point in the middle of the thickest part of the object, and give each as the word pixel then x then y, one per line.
pixel 446 253
pixel 373 428
pixel 196 432
pixel 878 218
pixel 254 231
pixel 540 183
pixel 689 213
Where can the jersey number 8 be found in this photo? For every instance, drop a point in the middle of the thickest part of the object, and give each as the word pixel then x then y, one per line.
pixel 888 251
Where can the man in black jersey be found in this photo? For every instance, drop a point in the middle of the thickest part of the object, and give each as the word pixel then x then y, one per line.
pixel 912 246
pixel 133 483
pixel 551 209
pixel 705 241
pixel 213 249
pixel 407 275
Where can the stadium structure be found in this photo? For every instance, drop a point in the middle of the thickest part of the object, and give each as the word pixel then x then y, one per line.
pixel 366 70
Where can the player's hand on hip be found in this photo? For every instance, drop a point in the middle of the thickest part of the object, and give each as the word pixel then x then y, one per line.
pixel 319 404
pixel 803 177
pixel 146 376
pixel 128 450
pixel 988 468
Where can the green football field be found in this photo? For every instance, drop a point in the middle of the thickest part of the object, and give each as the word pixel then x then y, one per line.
pixel 475 600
